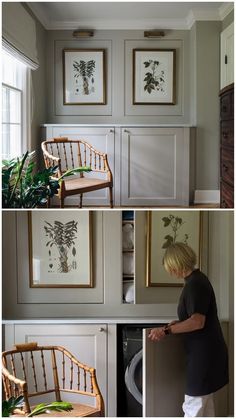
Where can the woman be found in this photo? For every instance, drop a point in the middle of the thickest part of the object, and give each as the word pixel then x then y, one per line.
pixel 207 359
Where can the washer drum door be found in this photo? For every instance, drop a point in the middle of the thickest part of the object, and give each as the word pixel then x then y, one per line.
pixel 133 374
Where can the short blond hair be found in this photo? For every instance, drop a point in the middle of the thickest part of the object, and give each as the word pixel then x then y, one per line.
pixel 179 257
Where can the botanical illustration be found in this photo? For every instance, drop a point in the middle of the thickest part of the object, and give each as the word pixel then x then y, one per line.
pixel 84 75
pixel 154 77
pixel 175 224
pixel 63 237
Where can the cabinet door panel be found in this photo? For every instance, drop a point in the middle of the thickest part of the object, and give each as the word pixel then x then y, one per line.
pixel 86 342
pixel 227 56
pixel 155 166
pixel 102 140
pixel 163 376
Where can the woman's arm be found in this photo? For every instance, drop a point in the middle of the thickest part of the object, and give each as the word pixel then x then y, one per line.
pixel 193 323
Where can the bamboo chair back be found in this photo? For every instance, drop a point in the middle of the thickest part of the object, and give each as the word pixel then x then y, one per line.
pixel 31 370
pixel 72 154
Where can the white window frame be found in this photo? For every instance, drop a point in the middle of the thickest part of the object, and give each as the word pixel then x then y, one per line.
pixel 9 124
pixel 27 111
pixel 26 108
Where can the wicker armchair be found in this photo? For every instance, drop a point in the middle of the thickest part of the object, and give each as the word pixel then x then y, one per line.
pixel 32 371
pixel 68 154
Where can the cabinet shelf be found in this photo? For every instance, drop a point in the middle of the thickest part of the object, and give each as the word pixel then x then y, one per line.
pixel 128 256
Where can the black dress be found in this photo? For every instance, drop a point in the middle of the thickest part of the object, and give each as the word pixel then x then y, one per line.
pixel 207 357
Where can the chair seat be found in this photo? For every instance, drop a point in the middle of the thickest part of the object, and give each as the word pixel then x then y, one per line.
pixel 82 185
pixel 79 410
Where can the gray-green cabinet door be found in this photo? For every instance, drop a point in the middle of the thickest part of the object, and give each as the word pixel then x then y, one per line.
pixel 155 166
pixel 163 376
pixel 87 342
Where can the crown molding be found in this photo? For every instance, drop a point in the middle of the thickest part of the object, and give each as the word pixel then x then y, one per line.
pixel 225 9
pixel 144 24
pixel 40 14
pixel 200 15
pixel 141 24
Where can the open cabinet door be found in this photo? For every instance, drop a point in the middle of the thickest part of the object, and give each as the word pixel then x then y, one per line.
pixel 163 376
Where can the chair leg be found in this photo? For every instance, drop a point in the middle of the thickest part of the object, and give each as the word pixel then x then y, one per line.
pixel 62 202
pixel 111 196
pixel 81 200
pixel 48 202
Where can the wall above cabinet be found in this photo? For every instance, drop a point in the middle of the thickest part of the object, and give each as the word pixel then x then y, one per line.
pixel 119 78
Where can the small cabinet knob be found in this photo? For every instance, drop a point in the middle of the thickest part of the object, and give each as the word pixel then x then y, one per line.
pixel 126 131
pixel 101 329
pixel 111 130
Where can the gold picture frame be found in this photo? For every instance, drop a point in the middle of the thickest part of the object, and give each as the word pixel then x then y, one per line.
pixel 60 249
pixel 84 77
pixel 158 231
pixel 154 76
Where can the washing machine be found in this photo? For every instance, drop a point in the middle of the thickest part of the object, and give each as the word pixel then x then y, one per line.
pixel 129 369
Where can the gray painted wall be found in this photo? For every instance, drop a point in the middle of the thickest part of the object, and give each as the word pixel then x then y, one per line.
pixel 197 70
pixel 119 108
pixel 219 257
pixel 221 271
pixel 206 45
pixel 21 302
pixel 197 87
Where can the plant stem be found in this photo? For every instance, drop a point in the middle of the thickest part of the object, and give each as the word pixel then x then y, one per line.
pixel 19 175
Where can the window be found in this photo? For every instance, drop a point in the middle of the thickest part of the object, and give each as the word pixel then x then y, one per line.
pixel 15 113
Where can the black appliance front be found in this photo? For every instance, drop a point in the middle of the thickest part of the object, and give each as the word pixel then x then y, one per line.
pixel 129 369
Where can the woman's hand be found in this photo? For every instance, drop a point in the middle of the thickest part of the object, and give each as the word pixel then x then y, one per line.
pixel 157 334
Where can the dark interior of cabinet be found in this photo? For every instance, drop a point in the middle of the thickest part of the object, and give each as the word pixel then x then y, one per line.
pixel 129 369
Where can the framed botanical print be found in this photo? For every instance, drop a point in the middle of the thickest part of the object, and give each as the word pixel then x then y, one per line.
pixel 163 229
pixel 60 249
pixel 154 77
pixel 84 77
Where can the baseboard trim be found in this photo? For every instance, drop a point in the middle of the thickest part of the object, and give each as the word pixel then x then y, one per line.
pixel 207 197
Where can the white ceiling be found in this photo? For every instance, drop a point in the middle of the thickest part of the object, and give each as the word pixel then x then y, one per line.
pixel 127 15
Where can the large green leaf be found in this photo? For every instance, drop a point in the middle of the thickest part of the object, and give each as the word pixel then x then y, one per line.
pixel 55 406
pixel 75 171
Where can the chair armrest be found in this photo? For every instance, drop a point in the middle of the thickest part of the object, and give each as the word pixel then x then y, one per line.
pixel 12 378
pixel 93 149
pixel 50 156
pixel 105 164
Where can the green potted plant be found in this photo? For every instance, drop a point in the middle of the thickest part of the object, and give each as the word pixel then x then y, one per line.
pixel 22 187
pixel 8 406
